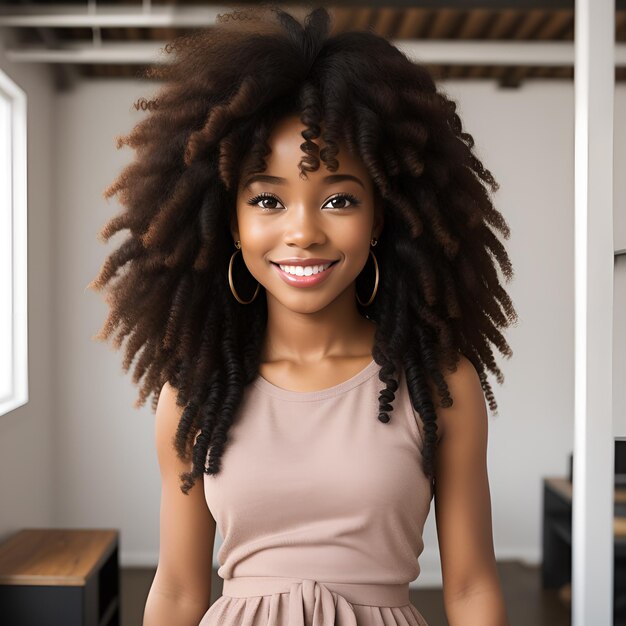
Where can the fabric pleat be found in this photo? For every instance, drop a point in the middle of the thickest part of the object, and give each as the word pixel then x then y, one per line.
pixel 307 603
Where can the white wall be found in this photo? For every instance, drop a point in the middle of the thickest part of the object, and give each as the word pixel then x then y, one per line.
pixel 105 467
pixel 619 277
pixel 619 185
pixel 26 493
pixel 619 343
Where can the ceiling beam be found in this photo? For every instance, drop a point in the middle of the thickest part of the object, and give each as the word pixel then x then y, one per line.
pixel 65 76
pixel 189 16
pixel 114 17
pixel 536 53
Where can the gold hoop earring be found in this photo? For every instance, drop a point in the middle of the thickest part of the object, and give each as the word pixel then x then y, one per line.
pixel 230 278
pixel 373 242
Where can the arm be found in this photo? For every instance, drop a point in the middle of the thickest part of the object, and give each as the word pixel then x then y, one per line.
pixel 181 590
pixel 471 587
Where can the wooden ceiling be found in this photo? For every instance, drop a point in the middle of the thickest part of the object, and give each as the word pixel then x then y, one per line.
pixel 428 21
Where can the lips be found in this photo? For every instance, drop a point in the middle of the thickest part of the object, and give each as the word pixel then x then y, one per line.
pixel 305 281
pixel 294 264
pixel 305 262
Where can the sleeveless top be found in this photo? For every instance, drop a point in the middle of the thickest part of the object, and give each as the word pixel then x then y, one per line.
pixel 321 507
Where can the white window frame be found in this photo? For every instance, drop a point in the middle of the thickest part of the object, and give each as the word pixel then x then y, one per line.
pixel 16 300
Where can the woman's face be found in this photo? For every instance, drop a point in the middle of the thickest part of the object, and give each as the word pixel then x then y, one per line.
pixel 329 216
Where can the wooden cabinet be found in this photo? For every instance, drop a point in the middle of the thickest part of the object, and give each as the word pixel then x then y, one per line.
pixel 59 577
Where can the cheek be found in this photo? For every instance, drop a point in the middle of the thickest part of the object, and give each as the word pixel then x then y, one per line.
pixel 355 236
pixel 254 232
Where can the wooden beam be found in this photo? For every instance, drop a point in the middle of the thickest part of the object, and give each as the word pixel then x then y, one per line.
pixel 448 52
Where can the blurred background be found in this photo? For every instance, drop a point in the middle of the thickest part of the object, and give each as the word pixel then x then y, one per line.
pixel 78 455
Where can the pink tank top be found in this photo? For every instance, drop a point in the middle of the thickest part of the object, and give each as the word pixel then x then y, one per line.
pixel 313 487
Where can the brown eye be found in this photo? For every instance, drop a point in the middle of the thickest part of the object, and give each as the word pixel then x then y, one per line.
pixel 339 201
pixel 264 197
pixel 270 205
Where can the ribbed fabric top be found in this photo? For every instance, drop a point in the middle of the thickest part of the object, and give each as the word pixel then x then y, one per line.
pixel 314 486
pixel 311 396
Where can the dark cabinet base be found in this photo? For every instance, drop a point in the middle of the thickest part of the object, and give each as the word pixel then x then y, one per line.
pixel 556 566
pixel 52 577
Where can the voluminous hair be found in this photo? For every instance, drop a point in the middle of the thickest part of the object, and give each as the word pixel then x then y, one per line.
pixel 225 88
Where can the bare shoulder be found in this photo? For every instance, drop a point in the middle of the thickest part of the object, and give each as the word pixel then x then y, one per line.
pixel 468 403
pixel 187 528
pixel 462 498
pixel 167 418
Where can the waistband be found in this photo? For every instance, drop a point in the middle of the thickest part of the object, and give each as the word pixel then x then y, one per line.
pixel 372 594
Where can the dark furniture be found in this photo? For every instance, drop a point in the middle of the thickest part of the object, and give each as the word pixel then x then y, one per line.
pixel 58 577
pixel 556 567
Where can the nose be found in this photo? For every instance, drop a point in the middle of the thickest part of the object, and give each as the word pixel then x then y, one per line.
pixel 302 227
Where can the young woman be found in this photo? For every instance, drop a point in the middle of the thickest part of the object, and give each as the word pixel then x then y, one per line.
pixel 310 277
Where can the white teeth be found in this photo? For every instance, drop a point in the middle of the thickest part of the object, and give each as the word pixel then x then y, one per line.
pixel 299 270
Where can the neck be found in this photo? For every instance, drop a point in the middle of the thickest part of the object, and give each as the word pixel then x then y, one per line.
pixel 335 331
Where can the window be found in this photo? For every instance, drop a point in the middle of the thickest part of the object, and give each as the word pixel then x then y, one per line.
pixel 13 247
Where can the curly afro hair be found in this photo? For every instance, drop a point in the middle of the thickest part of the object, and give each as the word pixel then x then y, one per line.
pixel 222 93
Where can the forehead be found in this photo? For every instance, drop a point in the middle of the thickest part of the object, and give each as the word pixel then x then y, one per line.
pixel 285 143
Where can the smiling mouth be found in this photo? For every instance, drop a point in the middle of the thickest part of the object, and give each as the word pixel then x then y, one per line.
pixel 296 265
pixel 303 278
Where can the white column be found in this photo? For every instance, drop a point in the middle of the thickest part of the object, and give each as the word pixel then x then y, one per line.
pixel 592 545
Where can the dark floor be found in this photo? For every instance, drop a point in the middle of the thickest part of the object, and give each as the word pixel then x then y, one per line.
pixel 527 604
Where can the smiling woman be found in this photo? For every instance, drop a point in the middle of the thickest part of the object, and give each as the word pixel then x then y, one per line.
pixel 311 277
pixel 321 221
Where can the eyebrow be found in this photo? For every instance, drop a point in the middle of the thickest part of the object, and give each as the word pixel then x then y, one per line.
pixel 277 180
